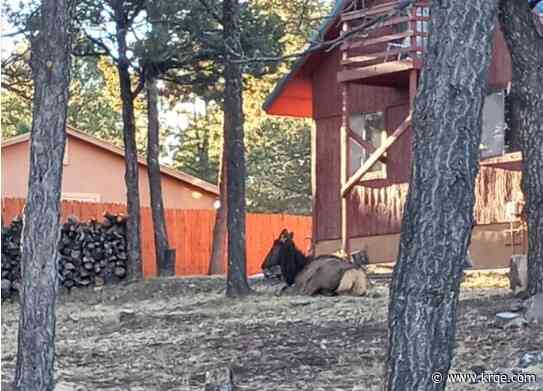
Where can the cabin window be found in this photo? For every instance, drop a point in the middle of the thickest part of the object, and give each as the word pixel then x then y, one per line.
pixel 370 127
pixel 494 126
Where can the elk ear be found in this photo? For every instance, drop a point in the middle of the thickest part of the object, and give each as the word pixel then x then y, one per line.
pixel 291 236
pixel 283 236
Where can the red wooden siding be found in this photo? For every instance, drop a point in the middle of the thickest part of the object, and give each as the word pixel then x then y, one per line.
pixel 500 67
pixel 326 91
pixel 362 98
pixel 327 201
pixel 190 232
pixel 371 99
pixel 376 211
pixel 399 155
pixel 379 211
pixel 372 210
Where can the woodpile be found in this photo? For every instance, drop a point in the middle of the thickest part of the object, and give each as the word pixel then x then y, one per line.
pixel 91 253
pixel 11 257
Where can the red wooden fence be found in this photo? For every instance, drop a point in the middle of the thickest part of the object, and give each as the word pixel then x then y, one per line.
pixel 190 232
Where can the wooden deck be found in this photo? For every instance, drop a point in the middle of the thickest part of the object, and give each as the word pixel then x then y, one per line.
pixel 387 42
pixel 508 161
pixel 391 73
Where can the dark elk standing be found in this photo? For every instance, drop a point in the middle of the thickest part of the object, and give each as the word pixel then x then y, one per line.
pixel 325 274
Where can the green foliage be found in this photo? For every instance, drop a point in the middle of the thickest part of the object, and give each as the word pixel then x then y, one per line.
pixel 278 149
pixel 92 107
pixel 279 167
pixel 197 148
pixel 16 115
pixel 182 42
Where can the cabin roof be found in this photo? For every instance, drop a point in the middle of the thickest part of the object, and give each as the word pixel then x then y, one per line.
pixel 179 175
pixel 292 95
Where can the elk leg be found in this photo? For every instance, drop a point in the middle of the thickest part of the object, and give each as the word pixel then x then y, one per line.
pixel 327 292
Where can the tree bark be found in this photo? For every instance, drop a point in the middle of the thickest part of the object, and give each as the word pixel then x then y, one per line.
pixel 438 215
pixel 236 284
pixel 131 176
pixel 216 262
pixel 526 47
pixel 41 232
pixel 165 266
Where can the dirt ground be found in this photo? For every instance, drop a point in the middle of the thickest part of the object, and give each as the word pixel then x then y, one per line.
pixel 164 334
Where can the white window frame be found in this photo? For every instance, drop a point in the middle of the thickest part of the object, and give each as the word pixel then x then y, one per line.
pixel 377 174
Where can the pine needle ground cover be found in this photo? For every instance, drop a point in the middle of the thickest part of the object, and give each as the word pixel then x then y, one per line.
pixel 164 334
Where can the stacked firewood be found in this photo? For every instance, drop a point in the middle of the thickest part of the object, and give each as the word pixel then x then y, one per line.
pixel 11 257
pixel 91 253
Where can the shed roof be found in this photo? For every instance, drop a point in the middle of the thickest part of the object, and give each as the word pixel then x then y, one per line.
pixel 292 95
pixel 179 175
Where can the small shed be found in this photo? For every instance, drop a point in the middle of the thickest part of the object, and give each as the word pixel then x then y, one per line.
pixel 94 172
pixel 360 94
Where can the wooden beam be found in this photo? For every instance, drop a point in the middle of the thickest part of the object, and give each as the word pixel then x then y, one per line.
pixel 365 144
pixel 376 56
pixel 344 153
pixel 413 27
pixel 314 187
pixel 373 41
pixel 374 70
pixel 346 188
pixel 369 11
pixel 383 8
pixel 386 23
pixel 512 157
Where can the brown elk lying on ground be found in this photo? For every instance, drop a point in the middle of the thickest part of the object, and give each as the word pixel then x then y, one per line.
pixel 325 274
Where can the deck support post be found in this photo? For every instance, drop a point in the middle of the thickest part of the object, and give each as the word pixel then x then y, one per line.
pixel 314 213
pixel 344 172
pixel 344 145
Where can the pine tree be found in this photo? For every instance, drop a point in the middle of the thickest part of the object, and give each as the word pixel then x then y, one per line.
pixel 50 49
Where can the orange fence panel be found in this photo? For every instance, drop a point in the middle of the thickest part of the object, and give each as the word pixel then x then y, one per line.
pixel 190 233
pixel 147 243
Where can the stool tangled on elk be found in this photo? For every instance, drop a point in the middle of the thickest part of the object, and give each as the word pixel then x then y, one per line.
pixel 325 274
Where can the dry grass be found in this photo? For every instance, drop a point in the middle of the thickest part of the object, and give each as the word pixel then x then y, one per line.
pixel 486 279
pixel 181 328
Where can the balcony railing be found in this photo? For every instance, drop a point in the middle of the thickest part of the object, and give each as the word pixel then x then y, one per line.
pixel 385 33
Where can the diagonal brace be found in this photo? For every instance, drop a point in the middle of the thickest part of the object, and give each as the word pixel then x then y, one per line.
pixel 374 157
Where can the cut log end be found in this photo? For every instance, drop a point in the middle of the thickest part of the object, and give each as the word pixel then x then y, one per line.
pixel 91 253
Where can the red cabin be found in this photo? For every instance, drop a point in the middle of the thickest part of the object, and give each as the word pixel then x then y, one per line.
pixel 359 94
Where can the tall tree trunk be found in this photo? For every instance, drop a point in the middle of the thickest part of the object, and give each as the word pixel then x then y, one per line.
pixel 165 263
pixel 131 175
pixel 216 265
pixel 438 215
pixel 526 47
pixel 236 284
pixel 41 232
